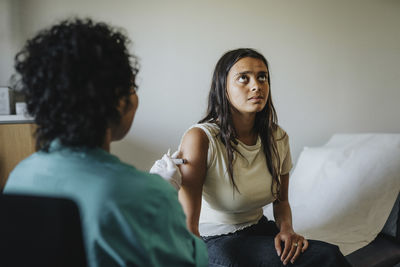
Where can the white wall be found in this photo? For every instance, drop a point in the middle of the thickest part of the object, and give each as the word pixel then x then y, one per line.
pixel 334 64
pixel 10 38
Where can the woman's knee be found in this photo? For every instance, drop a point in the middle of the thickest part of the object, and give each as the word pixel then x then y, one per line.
pixel 326 254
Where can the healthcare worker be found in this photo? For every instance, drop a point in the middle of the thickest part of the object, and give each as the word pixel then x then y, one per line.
pixel 79 81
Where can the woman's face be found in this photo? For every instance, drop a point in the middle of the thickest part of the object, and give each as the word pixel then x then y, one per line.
pixel 247 85
pixel 128 111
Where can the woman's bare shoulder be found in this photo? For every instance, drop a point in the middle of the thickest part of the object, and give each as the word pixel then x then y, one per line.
pixel 194 149
pixel 194 139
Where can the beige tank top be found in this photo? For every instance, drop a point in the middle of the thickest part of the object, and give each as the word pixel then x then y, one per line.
pixel 224 210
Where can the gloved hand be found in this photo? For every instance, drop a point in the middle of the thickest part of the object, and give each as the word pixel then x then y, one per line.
pixel 168 170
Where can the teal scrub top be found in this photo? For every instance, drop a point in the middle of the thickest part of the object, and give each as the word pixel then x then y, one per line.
pixel 129 217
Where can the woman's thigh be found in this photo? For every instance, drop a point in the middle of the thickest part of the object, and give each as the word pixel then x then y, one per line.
pixel 242 250
pixel 259 250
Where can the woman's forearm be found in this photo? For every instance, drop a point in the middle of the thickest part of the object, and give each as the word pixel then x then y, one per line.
pixel 283 215
pixel 191 208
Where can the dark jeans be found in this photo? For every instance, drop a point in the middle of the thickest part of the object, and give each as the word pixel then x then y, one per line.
pixel 254 246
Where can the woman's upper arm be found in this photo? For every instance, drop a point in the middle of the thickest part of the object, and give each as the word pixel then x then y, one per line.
pixel 194 148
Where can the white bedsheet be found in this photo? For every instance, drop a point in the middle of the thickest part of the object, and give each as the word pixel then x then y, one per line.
pixel 343 192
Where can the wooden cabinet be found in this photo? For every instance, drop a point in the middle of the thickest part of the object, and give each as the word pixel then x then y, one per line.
pixel 16 143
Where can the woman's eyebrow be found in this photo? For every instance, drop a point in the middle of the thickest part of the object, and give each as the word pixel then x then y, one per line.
pixel 263 72
pixel 251 72
pixel 243 73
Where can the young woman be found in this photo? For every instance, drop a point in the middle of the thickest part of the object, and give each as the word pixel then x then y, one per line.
pixel 79 81
pixel 238 160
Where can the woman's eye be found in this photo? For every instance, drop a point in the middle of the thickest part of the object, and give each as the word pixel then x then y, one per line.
pixel 262 78
pixel 243 79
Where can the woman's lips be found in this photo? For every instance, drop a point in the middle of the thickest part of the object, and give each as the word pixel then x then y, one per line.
pixel 256 98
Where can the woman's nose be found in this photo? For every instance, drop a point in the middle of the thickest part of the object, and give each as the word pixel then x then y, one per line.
pixel 256 87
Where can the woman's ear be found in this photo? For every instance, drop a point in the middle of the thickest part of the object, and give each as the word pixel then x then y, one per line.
pixel 123 105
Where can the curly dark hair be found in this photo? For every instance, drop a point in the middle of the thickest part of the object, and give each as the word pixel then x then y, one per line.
pixel 219 112
pixel 73 76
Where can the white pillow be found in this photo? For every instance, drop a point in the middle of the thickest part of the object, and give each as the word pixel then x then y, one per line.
pixel 343 192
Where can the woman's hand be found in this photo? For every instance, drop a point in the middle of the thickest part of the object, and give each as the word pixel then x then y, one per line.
pixel 294 244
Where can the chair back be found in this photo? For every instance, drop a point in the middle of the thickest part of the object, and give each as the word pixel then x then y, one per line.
pixel 40 231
